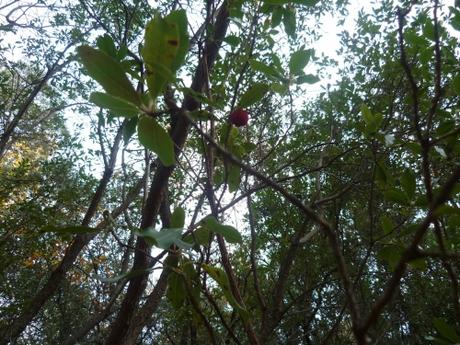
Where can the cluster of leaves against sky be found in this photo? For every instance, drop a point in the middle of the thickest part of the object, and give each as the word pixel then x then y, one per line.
pixel 213 201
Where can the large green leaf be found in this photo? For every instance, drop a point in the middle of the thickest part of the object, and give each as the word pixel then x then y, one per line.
pixel 230 234
pixel 155 138
pixel 118 106
pixel 254 94
pixel 109 73
pixel 164 238
pixel 165 46
pixel 299 60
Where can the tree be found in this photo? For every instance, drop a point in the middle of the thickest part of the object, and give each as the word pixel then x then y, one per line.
pixel 328 220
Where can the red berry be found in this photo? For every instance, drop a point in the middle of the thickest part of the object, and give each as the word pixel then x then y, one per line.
pixel 239 117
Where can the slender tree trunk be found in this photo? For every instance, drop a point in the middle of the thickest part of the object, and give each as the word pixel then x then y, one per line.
pixel 122 332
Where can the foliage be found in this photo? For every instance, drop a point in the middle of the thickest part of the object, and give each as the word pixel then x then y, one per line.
pixel 331 219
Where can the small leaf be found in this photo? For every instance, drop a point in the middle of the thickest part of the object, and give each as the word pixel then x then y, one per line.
pixel 230 234
pixel 156 139
pixel 391 254
pixel 279 88
pixel 178 218
pixel 387 225
pixel 408 183
pixel 455 21
pixel 289 22
pixel 299 60
pixel 276 16
pixel 233 177
pixel 109 73
pixel 367 114
pixel 255 93
pixel 307 79
pixel 176 292
pixel 396 196
pixel 269 71
pixel 232 40
pixel 118 106
pixel 456 84
pixel 129 129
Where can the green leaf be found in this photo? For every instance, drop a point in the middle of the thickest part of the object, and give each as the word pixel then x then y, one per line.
pixel 202 236
pixel 179 20
pixel 230 234
pixel 408 183
pixel 445 330
pixel 70 229
pixel 129 129
pixel 176 291
pixel 232 40
pixel 155 138
pixel 269 71
pixel 106 44
pixel 233 177
pixel 178 218
pixel 299 60
pixel 279 88
pixel 289 22
pixel 221 278
pixel 277 15
pixel 455 21
pixel 165 46
pixel 307 79
pixel 109 73
pixel 118 106
pixel 391 254
pixel 397 196
pixel 255 93
pixel 367 114
pixel 387 225
pixel 165 238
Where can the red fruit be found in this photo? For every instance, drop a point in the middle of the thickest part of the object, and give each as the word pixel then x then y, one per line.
pixel 239 117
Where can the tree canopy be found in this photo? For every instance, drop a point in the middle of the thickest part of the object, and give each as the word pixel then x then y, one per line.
pixel 200 172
